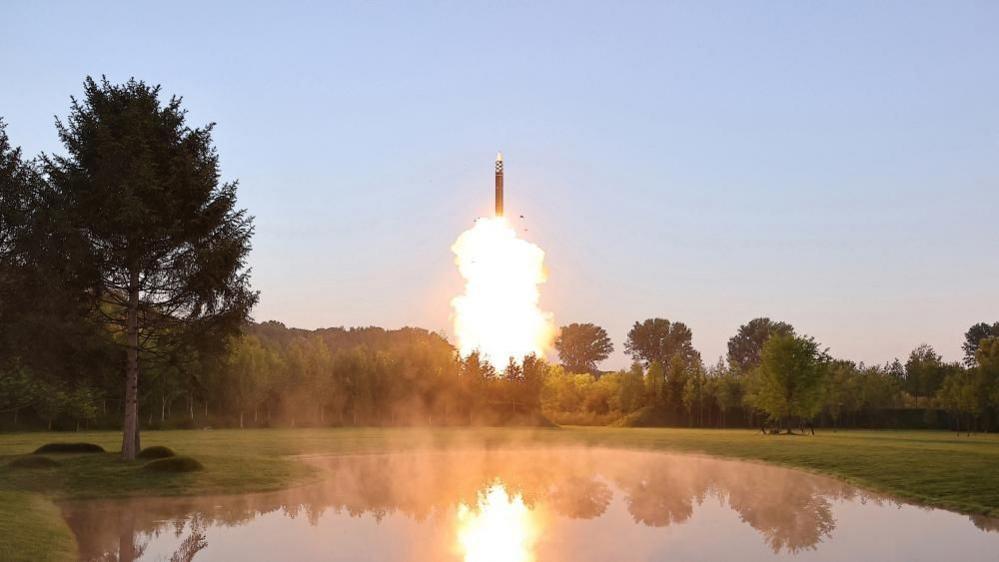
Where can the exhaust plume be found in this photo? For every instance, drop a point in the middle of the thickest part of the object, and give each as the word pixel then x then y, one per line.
pixel 498 315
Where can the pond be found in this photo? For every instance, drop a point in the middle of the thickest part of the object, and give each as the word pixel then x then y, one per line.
pixel 544 505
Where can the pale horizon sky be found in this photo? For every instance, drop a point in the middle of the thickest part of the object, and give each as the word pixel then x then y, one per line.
pixel 835 166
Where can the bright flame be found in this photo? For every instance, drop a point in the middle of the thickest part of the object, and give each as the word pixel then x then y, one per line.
pixel 501 529
pixel 498 315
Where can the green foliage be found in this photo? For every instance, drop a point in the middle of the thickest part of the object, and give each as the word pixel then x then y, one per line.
pixel 581 398
pixel 50 448
pixel 18 389
pixel 973 338
pixel 582 346
pixel 174 464
pixel 791 379
pixel 973 394
pixel 924 372
pixel 746 346
pixel 137 204
pixel 655 385
pixel 695 395
pixel 659 340
pixel 156 452
pixel 32 462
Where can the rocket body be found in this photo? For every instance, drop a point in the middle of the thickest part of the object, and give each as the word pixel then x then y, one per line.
pixel 499 184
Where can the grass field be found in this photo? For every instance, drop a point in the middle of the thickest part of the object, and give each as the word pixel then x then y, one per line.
pixel 933 468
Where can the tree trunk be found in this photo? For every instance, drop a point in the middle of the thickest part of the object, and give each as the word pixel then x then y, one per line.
pixel 130 427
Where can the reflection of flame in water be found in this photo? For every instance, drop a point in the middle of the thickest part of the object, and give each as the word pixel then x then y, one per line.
pixel 498 314
pixel 500 529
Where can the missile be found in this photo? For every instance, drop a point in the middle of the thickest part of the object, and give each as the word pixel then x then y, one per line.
pixel 499 184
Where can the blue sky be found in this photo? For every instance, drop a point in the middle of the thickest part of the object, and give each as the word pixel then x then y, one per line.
pixel 833 165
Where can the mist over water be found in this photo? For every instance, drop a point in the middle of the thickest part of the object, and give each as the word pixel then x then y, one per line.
pixel 521 505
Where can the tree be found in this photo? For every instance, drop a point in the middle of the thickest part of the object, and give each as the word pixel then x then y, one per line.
pixel 657 340
pixel 48 332
pixel 842 393
pixel 166 238
pixel 974 336
pixel 695 393
pixel 655 384
pixel 631 389
pixel 924 372
pixel 745 347
pixel 727 388
pixel 581 346
pixel 987 358
pixel 790 380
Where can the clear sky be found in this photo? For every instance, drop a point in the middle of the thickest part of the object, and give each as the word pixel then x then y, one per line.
pixel 834 165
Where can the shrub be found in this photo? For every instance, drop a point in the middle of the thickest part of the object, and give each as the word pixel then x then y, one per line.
pixel 156 452
pixel 69 448
pixel 33 462
pixel 173 464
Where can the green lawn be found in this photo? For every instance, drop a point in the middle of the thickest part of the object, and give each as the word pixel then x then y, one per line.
pixel 935 468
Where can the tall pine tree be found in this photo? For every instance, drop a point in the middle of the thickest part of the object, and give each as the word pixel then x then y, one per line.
pixel 164 235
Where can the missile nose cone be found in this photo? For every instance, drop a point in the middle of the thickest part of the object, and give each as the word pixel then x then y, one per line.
pixel 499 156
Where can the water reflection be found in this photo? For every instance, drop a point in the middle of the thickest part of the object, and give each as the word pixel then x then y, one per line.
pixel 525 505
pixel 498 528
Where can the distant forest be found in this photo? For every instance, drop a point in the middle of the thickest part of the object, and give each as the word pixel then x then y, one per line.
pixel 125 302
pixel 274 376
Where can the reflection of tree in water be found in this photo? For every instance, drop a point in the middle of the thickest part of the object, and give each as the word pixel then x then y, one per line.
pixel 661 493
pixel 791 510
pixel 990 524
pixel 191 546
pixel 579 498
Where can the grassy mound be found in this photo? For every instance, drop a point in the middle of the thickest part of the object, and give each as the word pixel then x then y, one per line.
pixel 69 448
pixel 156 452
pixel 33 462
pixel 173 464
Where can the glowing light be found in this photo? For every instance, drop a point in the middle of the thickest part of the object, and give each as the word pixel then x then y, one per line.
pixel 499 529
pixel 498 314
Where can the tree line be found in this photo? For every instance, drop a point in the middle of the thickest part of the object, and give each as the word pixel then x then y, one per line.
pixel 771 378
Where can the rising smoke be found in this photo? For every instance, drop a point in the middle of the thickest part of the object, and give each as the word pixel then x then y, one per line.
pixel 498 314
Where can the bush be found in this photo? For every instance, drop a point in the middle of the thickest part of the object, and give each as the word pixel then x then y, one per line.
pixel 33 462
pixel 173 464
pixel 69 448
pixel 156 452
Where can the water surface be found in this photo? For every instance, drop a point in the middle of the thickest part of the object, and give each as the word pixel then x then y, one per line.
pixel 544 505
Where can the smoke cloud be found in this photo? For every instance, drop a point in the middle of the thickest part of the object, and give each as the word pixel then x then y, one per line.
pixel 498 314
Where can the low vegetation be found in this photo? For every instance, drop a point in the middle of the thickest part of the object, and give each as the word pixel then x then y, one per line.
pixel 156 452
pixel 50 448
